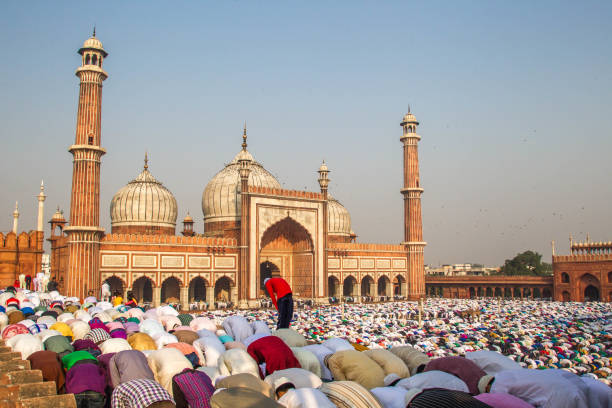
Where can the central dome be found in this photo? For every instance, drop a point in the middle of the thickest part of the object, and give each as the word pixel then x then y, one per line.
pixel 144 206
pixel 221 197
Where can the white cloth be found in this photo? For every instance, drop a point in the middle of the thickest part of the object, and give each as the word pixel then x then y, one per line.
pixel 236 361
pixel 433 379
pixel 237 327
pixel 541 388
pixel 114 345
pixel 25 344
pixel 162 339
pixel 320 352
pixel 305 398
pixel 260 327
pixel 337 344
pixel 151 327
pixel 391 397
pixel 200 323
pixel 492 362
pixel 600 395
pixel 209 349
pixel 165 364
pixel 308 361
pixel 299 377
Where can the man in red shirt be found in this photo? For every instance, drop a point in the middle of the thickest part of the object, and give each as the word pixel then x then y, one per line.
pixel 284 304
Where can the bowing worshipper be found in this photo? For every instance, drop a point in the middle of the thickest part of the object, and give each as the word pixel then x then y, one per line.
pixel 414 359
pixel 492 362
pixel 143 393
pixel 389 362
pixel 236 361
pixel 599 394
pixel 272 351
pixel 349 394
pixel 165 363
pixel 441 398
pixel 192 389
pixel 353 365
pixel 299 377
pixel 241 397
pixel 237 327
pixel 246 380
pixel 291 397
pixel 541 388
pixel 282 299
pixel 49 363
pixel 87 381
pixel 466 370
pixel 429 379
pixel 58 344
pixel 129 365
pixel 391 397
pixel 499 400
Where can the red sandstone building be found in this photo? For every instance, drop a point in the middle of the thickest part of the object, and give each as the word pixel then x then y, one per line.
pixel 252 228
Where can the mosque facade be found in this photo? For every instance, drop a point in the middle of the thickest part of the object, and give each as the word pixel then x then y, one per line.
pixel 253 228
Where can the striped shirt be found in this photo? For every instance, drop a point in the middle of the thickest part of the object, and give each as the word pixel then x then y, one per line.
pixel 138 394
pixel 441 398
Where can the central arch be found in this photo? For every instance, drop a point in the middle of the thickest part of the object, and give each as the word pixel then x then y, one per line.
pixel 267 270
pixel 142 288
pixel 290 242
pixel 590 287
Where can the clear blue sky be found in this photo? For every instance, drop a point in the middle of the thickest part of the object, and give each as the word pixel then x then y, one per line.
pixel 513 99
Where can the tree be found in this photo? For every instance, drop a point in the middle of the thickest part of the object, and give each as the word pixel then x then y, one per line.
pixel 526 263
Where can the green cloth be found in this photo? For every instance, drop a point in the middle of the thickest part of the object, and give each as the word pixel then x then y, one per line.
pixel 58 344
pixel 71 359
pixel 185 319
pixel 133 320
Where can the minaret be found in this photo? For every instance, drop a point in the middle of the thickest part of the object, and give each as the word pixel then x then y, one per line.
pixel 413 222
pixel 244 161
pixel 41 207
pixel 16 218
pixel 84 231
pixel 324 184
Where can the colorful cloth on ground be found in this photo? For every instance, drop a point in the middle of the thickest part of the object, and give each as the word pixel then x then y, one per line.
pixel 139 394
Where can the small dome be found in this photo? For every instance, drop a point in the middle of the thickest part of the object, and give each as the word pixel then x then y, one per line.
pixel 338 218
pixel 221 197
pixel 58 216
pixel 92 43
pixel 188 218
pixel 409 117
pixel 323 167
pixel 144 202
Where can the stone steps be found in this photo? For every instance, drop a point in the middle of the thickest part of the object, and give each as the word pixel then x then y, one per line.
pixel 21 387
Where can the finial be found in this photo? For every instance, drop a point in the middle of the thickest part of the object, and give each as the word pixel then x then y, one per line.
pixel 94 32
pixel 16 205
pixel 58 209
pixel 244 137
pixel 553 247
pixel 408 108
pixel 146 166
pixel 42 185
pixel 588 238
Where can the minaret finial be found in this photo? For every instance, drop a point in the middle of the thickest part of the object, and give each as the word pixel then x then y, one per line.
pixel 244 137
pixel 146 166
pixel 408 108
pixel 94 31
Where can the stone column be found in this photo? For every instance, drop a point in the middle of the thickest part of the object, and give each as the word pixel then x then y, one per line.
pixel 357 291
pixel 403 288
pixel 389 290
pixel 210 297
pixel 125 294
pixel 156 296
pixel 374 290
pixel 184 297
pixel 234 295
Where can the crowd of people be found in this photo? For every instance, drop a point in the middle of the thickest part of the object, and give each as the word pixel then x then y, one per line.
pixel 442 353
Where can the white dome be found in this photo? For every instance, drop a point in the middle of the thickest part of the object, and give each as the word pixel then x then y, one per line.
pixel 338 218
pixel 144 201
pixel 221 197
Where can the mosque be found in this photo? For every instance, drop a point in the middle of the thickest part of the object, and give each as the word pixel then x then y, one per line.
pixel 253 228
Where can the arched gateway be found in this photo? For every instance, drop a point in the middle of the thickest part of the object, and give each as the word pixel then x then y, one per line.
pixel 290 246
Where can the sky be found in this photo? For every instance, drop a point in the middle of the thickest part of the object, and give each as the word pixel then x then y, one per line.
pixel 514 101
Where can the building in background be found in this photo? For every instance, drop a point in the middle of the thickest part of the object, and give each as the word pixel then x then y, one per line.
pixel 253 229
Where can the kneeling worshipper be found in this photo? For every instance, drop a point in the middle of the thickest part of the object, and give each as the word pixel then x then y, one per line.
pixel 141 394
pixel 272 351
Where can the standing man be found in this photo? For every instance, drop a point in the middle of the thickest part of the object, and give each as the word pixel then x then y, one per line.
pixel 284 305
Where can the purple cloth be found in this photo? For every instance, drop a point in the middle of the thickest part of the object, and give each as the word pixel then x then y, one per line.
pixel 118 334
pixel 85 377
pixel 192 388
pixel 85 344
pixel 460 367
pixel 104 361
pixel 96 323
pixel 501 400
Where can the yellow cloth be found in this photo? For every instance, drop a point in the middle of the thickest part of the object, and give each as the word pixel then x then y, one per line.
pixel 117 301
pixel 63 328
pixel 141 341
